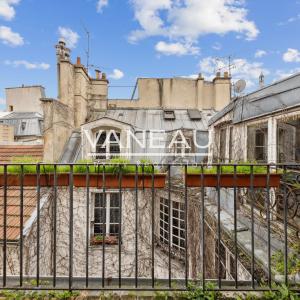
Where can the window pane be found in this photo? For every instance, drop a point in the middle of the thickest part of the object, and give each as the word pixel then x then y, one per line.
pixel 114 200
pixel 175 222
pixel 98 229
pixel 175 240
pixel 100 215
pixel 114 229
pixel 114 215
pixel 175 213
pixel 99 200
pixel 113 138
pixel 175 231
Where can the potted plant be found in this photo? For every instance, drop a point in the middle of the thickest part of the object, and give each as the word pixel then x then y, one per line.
pixel 108 240
pixel 228 178
pixel 117 173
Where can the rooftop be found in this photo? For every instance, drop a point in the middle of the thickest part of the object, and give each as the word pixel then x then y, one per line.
pixel 8 152
pixel 146 119
pixel 25 123
pixel 25 87
pixel 13 210
pixel 278 96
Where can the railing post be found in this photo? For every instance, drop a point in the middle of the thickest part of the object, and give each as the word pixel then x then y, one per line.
pixel 5 225
pixel 203 225
pixel 21 222
pixel 71 228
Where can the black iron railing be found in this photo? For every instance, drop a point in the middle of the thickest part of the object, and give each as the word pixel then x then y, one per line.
pixel 50 240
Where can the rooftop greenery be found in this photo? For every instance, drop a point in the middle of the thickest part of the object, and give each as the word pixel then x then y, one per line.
pixel 113 166
pixel 242 168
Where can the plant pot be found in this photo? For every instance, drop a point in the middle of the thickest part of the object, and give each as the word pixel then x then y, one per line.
pixel 108 240
pixel 95 180
pixel 228 180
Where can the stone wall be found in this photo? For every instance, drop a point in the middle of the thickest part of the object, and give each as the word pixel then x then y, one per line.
pixel 95 252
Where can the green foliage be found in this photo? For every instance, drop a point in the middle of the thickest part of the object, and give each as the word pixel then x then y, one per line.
pixel 196 292
pixel 113 166
pixel 282 293
pixel 293 261
pixel 39 295
pixel 240 169
pixel 98 238
pixel 161 295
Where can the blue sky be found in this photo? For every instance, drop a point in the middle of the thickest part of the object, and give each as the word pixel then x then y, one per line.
pixel 149 38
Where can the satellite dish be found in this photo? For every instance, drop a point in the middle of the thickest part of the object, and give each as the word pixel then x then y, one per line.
pixel 239 86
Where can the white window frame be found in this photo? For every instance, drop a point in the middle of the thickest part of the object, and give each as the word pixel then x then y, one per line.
pixel 163 238
pixel 107 213
pixel 180 148
pixel 108 154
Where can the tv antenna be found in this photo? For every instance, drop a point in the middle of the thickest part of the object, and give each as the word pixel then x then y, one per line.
pixel 87 52
pixel 240 86
pixel 226 64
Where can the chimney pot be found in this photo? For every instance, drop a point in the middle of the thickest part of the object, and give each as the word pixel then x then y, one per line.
pixel 103 76
pixel 78 61
pixel 98 72
pixel 226 74
pixel 218 74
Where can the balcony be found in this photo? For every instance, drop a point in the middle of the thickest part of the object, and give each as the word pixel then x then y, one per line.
pixel 144 227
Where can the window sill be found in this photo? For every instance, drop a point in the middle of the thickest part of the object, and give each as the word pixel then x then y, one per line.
pixel 108 240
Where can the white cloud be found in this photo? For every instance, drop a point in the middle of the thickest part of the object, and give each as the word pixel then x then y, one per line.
pixel 243 69
pixel 28 65
pixel 176 49
pixel 291 55
pixel 2 101
pixel 190 19
pixel 71 37
pixel 260 53
pixel 116 74
pixel 217 46
pixel 280 74
pixel 290 20
pixel 8 37
pixel 7 11
pixel 101 4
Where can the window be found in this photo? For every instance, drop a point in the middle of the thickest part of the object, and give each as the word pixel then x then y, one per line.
pixel 23 125
pixel 177 224
pixel 231 144
pixel 106 214
pixel 288 140
pixel 169 115
pixel 223 144
pixel 180 146
pixel 194 114
pixel 11 108
pixel 258 143
pixel 108 145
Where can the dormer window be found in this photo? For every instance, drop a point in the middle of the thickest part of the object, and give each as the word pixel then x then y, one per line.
pixel 108 144
pixel 182 147
pixel 169 115
pixel 23 126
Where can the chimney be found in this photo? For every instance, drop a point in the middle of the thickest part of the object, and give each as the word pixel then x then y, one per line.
pixel 62 52
pixel 261 80
pixel 218 74
pixel 78 61
pixel 98 73
pixel 226 74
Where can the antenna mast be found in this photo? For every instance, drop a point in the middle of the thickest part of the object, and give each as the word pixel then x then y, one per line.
pixel 88 47
pixel 229 65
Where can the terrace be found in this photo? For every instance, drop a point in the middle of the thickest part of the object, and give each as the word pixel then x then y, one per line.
pixel 140 227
